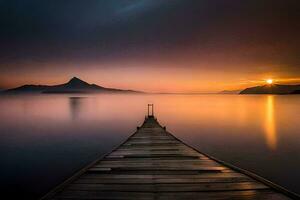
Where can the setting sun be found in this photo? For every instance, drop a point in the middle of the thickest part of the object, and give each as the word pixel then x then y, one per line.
pixel 269 81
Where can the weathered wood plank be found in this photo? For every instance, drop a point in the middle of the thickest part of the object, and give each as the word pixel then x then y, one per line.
pixel 153 172
pixel 168 176
pixel 169 158
pixel 234 195
pixel 168 180
pixel 147 163
pixel 163 187
pixel 153 155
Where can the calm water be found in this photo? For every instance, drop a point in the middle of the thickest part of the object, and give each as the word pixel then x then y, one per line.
pixel 46 138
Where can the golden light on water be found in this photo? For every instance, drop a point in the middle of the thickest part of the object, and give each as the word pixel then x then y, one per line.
pixel 270 130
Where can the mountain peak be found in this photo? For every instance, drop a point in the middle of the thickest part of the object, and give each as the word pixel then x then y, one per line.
pixel 77 81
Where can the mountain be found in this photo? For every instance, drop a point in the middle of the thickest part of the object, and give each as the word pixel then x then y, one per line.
pixel 271 89
pixel 230 92
pixel 74 85
pixel 296 92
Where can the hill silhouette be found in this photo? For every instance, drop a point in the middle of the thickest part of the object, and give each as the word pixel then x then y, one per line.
pixel 271 89
pixel 74 85
pixel 230 92
pixel 296 92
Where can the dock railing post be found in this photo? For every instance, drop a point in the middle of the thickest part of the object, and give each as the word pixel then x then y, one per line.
pixel 150 112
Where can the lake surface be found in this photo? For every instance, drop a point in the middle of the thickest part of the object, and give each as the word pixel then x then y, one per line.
pixel 44 139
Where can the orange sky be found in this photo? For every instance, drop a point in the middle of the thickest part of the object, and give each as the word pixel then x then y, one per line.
pixel 152 77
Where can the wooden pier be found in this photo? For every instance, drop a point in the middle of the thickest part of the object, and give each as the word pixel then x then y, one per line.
pixel 153 164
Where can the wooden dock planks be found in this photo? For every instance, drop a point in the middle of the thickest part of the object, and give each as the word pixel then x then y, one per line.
pixel 153 164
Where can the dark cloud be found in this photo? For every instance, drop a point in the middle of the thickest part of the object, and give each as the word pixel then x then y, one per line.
pixel 264 31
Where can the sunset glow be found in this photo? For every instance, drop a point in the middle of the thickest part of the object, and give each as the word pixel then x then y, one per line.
pixel 150 45
pixel 269 81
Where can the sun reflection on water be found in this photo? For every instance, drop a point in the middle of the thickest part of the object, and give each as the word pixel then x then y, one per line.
pixel 270 129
